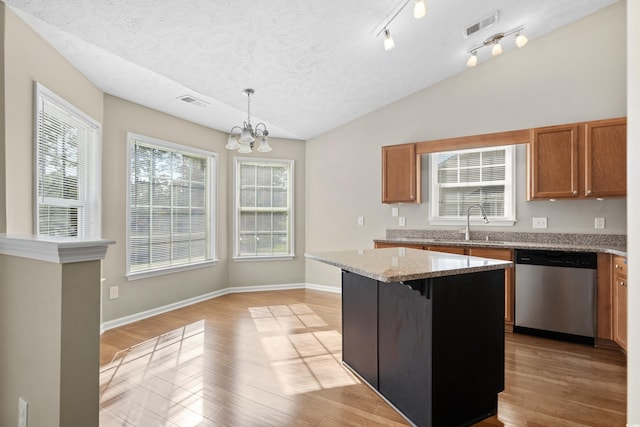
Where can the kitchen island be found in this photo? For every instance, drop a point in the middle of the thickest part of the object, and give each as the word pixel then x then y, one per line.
pixel 425 330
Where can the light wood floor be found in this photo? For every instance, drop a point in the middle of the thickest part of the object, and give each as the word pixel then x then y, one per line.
pixel 273 359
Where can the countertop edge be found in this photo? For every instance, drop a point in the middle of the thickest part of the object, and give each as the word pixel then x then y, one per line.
pixel 506 245
pixel 499 265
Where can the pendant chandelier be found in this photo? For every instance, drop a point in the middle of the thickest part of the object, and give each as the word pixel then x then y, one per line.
pixel 243 138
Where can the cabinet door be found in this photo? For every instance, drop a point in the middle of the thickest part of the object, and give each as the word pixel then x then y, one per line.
pixel 360 325
pixel 620 311
pixel 620 301
pixel 400 172
pixel 552 163
pixel 509 279
pixel 606 158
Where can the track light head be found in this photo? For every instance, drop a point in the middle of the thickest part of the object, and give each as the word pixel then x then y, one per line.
pixel 419 9
pixel 388 40
pixel 521 39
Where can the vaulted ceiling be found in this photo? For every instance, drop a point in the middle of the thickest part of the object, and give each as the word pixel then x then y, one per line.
pixel 314 65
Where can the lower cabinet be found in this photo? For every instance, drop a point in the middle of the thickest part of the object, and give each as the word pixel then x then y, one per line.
pixel 359 320
pixel 620 285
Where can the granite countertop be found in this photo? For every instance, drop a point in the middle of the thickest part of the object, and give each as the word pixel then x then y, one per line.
pixel 401 264
pixel 613 244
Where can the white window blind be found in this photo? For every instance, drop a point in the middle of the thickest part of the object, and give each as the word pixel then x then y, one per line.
pixel 67 169
pixel 460 179
pixel 264 212
pixel 170 205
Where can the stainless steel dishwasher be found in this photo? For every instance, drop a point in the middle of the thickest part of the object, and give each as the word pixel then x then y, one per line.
pixel 556 294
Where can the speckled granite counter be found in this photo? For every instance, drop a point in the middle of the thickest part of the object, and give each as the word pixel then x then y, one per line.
pixel 400 264
pixel 605 243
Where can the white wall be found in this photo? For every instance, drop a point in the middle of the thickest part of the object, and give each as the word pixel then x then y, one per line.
pixel 633 242
pixel 576 73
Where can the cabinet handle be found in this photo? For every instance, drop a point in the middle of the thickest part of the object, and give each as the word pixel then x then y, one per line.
pixel 618 267
pixel 575 192
pixel 622 283
pixel 588 191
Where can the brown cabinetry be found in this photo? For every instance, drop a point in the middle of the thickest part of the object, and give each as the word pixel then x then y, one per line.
pixel 579 160
pixel 620 301
pixel 400 174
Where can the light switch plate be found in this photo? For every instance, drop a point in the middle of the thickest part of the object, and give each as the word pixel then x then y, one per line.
pixel 113 292
pixel 401 221
pixel 599 223
pixel 394 211
pixel 23 412
pixel 360 220
pixel 539 222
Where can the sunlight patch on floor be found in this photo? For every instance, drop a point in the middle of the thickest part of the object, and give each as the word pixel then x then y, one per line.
pixel 301 360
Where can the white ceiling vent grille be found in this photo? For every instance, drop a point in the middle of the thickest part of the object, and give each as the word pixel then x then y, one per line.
pixel 485 22
pixel 193 100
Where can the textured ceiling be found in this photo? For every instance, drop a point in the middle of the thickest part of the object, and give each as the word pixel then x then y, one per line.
pixel 313 64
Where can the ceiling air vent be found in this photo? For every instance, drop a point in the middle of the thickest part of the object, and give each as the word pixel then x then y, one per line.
pixel 480 24
pixel 193 100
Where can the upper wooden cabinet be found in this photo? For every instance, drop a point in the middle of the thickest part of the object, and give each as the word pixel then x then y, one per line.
pixel 580 160
pixel 605 152
pixel 400 174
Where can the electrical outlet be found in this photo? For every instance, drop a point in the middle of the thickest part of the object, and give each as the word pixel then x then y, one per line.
pixel 360 220
pixel 113 292
pixel 394 212
pixel 539 222
pixel 401 221
pixel 599 223
pixel 23 412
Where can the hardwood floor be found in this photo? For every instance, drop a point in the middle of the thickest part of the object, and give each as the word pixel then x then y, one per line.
pixel 273 359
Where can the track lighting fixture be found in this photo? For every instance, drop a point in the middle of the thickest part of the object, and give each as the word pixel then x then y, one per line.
pixel 496 46
pixel 419 11
pixel 243 138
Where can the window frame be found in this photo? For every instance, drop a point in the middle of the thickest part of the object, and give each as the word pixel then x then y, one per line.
pixel 237 161
pixel 210 203
pixel 90 202
pixel 509 219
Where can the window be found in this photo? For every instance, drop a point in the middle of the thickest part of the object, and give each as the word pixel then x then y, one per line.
pixel 170 209
pixel 264 208
pixel 460 179
pixel 67 163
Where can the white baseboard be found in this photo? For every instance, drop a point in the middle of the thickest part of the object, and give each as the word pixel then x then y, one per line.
pixel 231 290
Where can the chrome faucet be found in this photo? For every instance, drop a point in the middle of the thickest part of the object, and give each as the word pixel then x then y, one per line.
pixel 484 216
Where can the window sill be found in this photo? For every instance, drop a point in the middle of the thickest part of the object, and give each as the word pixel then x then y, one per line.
pixel 170 270
pixel 463 222
pixel 264 258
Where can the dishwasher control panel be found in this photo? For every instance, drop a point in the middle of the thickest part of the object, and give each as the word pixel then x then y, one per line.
pixel 557 258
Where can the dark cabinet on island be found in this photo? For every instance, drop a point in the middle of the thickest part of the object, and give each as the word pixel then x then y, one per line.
pixel 431 345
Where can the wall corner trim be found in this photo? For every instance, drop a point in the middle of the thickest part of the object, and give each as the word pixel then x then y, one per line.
pixel 57 250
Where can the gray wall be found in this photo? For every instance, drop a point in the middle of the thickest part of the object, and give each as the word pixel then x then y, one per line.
pixel 633 176
pixel 576 73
